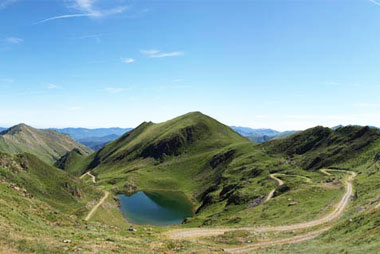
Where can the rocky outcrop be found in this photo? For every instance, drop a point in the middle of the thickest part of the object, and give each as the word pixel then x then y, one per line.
pixel 129 188
pixel 73 190
pixel 221 158
pixel 280 190
pixel 257 201
pixel 15 163
pixel 360 133
pixel 172 146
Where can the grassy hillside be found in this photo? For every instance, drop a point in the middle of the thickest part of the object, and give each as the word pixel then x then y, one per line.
pixel 42 210
pixel 175 152
pixel 225 175
pixel 48 145
pixel 71 160
pixel 323 147
pixel 228 178
pixel 45 183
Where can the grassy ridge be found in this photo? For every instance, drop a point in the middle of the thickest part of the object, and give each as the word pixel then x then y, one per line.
pixel 225 175
pixel 323 147
pixel 65 193
pixel 48 145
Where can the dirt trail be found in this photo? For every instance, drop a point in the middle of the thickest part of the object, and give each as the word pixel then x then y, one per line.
pixel 324 171
pixel 279 181
pixel 271 193
pixel 192 233
pixel 89 174
pixel 295 239
pixel 106 194
pixel 93 210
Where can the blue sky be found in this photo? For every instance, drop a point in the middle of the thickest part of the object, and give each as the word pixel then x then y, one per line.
pixel 277 63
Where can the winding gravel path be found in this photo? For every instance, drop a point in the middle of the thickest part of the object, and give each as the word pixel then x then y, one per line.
pixel 271 193
pixel 192 233
pixel 89 174
pixel 265 244
pixel 106 194
pixel 93 210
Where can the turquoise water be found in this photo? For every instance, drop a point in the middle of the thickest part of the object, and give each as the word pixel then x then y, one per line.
pixel 155 208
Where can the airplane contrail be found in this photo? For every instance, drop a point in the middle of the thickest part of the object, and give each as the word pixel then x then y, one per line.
pixel 375 2
pixel 65 17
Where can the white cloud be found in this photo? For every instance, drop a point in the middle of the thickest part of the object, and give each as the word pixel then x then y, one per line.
pixel 87 9
pixel 5 3
pixel 85 4
pixel 153 53
pixel 14 40
pixel 170 54
pixel 149 51
pixel 115 90
pixel 51 86
pixel 128 60
pixel 88 6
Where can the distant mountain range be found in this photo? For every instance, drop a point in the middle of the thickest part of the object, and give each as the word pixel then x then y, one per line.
pixel 96 143
pixel 83 133
pixel 94 138
pixel 261 135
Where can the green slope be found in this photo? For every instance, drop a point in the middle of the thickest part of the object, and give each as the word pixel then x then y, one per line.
pixel 353 147
pixel 228 177
pixel 46 183
pixel 323 147
pixel 72 160
pixel 173 154
pixel 42 210
pixel 221 171
pixel 35 198
pixel 48 145
pixel 225 175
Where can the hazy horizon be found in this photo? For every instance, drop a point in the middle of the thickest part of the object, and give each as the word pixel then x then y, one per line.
pixel 132 127
pixel 284 65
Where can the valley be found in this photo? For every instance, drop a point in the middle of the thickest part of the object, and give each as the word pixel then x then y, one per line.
pixel 315 188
